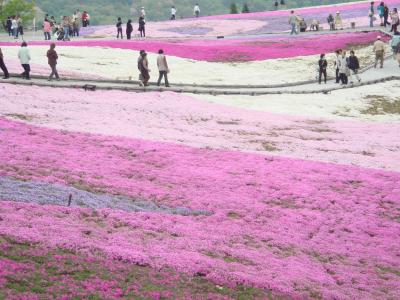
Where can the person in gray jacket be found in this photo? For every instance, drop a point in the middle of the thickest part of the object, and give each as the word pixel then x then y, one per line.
pixel 162 68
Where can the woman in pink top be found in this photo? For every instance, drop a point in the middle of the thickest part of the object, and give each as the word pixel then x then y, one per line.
pixel 46 29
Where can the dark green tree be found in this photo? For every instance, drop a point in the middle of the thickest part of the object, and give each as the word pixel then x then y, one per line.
pixel 25 9
pixel 245 9
pixel 234 9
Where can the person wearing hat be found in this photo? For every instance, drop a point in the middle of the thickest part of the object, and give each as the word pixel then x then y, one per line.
pixel 379 49
pixel 338 21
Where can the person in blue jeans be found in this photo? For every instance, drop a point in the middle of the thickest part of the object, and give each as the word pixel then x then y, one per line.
pixel 65 25
pixel 293 23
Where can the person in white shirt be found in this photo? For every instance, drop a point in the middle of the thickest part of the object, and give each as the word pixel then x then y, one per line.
pixel 162 68
pixel 142 12
pixel 25 58
pixel 196 10
pixel 14 27
pixel 173 13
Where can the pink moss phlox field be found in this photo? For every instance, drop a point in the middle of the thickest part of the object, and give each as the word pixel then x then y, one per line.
pixel 251 23
pixel 298 227
pixel 179 118
pixel 230 50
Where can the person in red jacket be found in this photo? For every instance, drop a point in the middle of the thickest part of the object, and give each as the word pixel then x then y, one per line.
pixel 52 59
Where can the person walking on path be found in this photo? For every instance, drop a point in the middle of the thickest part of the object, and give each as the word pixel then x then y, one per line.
pixel 338 21
pixel 46 29
pixel 371 15
pixel 394 42
pixel 143 66
pixel 52 58
pixel 337 63
pixel 293 20
pixel 381 11
pixel 322 65
pixel 354 66
pixel 386 16
pixel 173 13
pixel 343 68
pixel 3 66
pixel 394 16
pixel 379 49
pixel 162 68
pixel 119 29
pixel 129 29
pixel 25 58
pixel 142 29
pixel 196 10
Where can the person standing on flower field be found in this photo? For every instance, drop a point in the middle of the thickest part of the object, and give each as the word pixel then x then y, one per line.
pixel 119 28
pixel 3 66
pixel 293 19
pixel 338 21
pixel 381 11
pixel 25 57
pixel 354 66
pixel 173 13
pixel 162 68
pixel 322 65
pixel 142 29
pixel 196 10
pixel 379 49
pixel 52 60
pixel 143 66
pixel 129 29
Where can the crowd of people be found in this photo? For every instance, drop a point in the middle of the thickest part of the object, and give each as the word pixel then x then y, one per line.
pixel 346 67
pixel 387 18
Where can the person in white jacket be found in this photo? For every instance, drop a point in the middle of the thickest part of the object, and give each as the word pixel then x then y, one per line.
pixel 196 10
pixel 343 68
pixel 25 58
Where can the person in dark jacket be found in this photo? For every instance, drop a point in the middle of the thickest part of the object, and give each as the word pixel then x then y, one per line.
pixel 354 66
pixel 119 28
pixel 386 16
pixel 3 66
pixel 9 26
pixel 331 22
pixel 143 66
pixel 142 29
pixel 52 59
pixel 322 64
pixel 129 29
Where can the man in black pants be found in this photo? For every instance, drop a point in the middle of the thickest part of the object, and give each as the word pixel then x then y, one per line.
pixel 322 64
pixel 338 53
pixel 3 66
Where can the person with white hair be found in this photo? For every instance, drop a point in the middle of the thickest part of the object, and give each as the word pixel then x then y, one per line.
pixel 379 49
